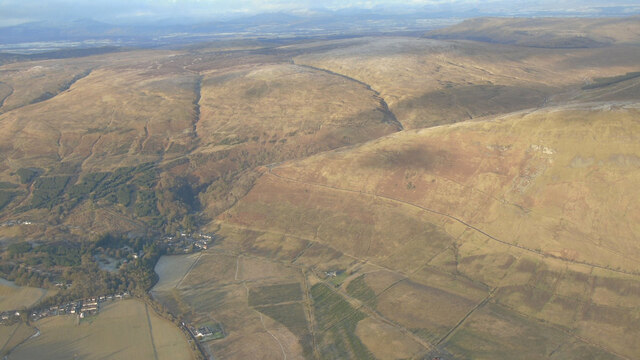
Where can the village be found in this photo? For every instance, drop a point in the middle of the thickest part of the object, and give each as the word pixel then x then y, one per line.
pixel 116 255
pixel 80 308
pixel 91 306
pixel 184 242
pixel 113 259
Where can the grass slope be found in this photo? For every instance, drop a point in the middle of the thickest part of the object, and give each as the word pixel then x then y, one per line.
pixel 498 217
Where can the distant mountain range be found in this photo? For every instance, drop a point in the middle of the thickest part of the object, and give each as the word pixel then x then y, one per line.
pixel 272 24
pixel 88 32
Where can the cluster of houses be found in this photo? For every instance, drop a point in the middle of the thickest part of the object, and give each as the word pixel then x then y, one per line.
pixel 80 308
pixel 16 222
pixel 107 260
pixel 205 332
pixel 331 273
pixel 63 285
pixel 187 242
pixel 9 317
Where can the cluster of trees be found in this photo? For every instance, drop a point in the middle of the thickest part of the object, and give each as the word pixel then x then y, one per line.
pixel 18 249
pixel 6 193
pixel 48 190
pixel 28 174
pixel 7 185
pixel 146 204
pixel 602 82
pixel 23 276
pixel 63 254
pixel 167 203
pixel 126 186
pixel 177 200
pixel 75 264
pixel 6 197
pixel 85 186
pixel 118 186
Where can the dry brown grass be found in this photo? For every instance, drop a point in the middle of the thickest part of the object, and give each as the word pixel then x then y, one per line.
pixel 535 215
pixel 216 268
pixel 472 236
pixel 546 32
pixel 429 311
pixel 386 342
pixel 223 288
pixel 429 82
pixel 511 178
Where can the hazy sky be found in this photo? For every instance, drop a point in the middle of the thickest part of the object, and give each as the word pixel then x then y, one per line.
pixel 18 11
pixel 126 10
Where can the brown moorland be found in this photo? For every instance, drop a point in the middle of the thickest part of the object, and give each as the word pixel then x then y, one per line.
pixel 457 198
pixel 485 222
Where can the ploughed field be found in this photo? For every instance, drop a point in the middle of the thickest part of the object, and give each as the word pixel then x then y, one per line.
pixel 372 198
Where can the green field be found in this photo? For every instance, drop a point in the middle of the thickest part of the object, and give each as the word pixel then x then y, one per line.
pixel 359 289
pixel 274 294
pixel 337 321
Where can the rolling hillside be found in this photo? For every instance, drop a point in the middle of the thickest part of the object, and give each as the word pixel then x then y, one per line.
pixel 429 82
pixel 509 221
pixel 471 194
pixel 545 32
pixel 152 112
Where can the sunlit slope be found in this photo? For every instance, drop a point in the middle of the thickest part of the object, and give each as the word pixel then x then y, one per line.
pixel 155 109
pixel 625 87
pixel 22 85
pixel 491 227
pixel 259 114
pixel 544 180
pixel 127 111
pixel 194 121
pixel 546 32
pixel 112 117
pixel 269 104
pixel 430 82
